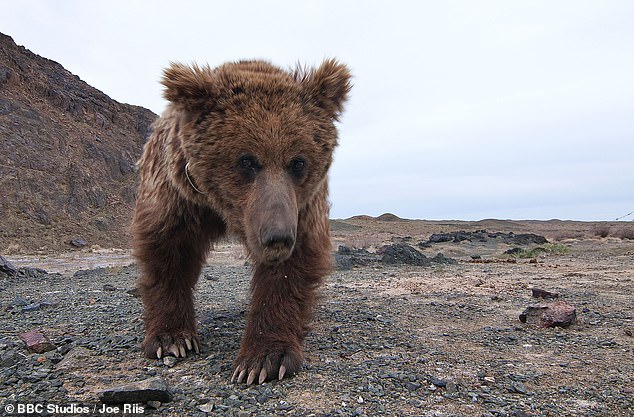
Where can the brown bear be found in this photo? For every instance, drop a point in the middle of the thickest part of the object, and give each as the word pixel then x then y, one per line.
pixel 244 149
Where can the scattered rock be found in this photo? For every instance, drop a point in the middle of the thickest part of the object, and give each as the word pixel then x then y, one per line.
pixel 556 314
pixel 20 301
pixel 513 251
pixel 539 293
pixel 78 242
pixel 518 387
pixel 153 389
pixel 559 314
pixel 109 287
pixel 442 259
pixel 7 267
pixel 401 253
pixel 484 236
pixel 412 386
pixel 75 358
pixel 134 292
pixel 36 342
pixel 395 254
pixel 346 258
pixel 437 382
pixel 207 408
pixel 154 404
pixel 9 359
pixel 442 237
pixel 169 361
pixel 29 272
pixel 38 305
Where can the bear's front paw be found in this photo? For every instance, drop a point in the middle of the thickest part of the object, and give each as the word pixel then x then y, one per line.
pixel 165 344
pixel 276 363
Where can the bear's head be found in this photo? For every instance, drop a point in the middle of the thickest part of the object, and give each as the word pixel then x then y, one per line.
pixel 257 141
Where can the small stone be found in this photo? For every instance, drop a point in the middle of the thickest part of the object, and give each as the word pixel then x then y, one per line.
pixel 134 292
pixel 78 242
pixel 207 408
pixel 169 361
pixel 153 389
pixel 539 293
pixel 9 359
pixel 360 400
pixel 36 342
pixel 38 306
pixel 7 267
pixel 154 404
pixel 438 382
pixel 412 386
pixel 556 314
pixel 109 287
pixel 518 387
pixel 451 387
pixel 284 406
pixel 20 301
pixel 75 358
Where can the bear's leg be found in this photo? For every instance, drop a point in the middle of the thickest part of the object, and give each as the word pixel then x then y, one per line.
pixel 170 247
pixel 283 298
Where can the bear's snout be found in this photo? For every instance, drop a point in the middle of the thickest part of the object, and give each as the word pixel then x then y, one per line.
pixel 276 238
pixel 277 244
pixel 272 219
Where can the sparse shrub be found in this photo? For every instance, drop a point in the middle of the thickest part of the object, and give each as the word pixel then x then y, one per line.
pixel 547 248
pixel 361 242
pixel 601 230
pixel 625 232
pixel 565 235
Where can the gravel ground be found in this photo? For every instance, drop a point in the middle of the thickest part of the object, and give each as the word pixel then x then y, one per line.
pixel 439 340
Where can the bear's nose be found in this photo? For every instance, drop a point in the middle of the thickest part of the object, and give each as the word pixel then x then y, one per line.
pixel 277 239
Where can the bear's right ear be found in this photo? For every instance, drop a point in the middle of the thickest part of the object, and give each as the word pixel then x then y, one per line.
pixel 194 88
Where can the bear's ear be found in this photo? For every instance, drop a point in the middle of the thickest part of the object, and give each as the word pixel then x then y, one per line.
pixel 195 88
pixel 327 86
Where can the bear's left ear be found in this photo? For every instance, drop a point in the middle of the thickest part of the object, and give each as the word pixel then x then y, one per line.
pixel 328 86
pixel 194 88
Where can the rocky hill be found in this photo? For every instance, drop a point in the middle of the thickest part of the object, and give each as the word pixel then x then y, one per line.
pixel 67 157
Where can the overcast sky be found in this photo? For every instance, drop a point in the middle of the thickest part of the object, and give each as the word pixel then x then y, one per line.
pixel 460 109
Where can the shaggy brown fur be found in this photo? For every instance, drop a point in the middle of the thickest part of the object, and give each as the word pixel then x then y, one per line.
pixel 243 148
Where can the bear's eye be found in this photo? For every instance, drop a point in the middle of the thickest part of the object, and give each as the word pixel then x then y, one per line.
pixel 298 167
pixel 248 165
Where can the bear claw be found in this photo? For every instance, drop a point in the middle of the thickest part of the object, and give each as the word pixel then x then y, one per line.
pixel 240 373
pixel 178 346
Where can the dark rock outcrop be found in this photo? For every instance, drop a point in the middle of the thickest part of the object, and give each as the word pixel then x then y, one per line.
pixel 484 236
pixel 395 254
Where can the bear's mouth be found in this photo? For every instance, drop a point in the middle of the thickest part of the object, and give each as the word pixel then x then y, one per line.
pixel 277 246
pixel 276 256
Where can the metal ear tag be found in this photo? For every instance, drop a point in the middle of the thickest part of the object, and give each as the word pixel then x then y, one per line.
pixel 189 179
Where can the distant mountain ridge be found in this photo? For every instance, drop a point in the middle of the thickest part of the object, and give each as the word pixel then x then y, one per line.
pixel 67 156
